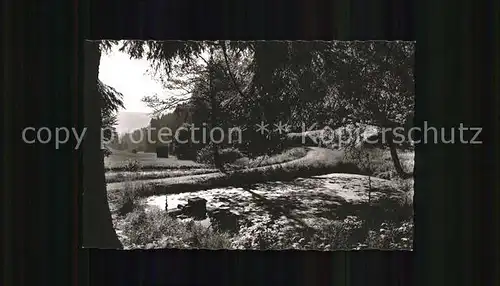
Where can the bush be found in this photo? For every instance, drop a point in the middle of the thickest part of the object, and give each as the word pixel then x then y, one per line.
pixel 155 229
pixel 205 155
pixel 391 235
pixel 406 186
pixel 349 233
pixel 228 155
pixel 335 235
pixel 133 166
pixel 286 156
pixel 257 144
pixel 376 162
pixel 106 152
pixel 127 199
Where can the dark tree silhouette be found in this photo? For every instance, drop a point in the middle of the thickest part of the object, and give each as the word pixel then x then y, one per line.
pixel 98 231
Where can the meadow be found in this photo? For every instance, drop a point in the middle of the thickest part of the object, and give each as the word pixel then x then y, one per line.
pixel 303 198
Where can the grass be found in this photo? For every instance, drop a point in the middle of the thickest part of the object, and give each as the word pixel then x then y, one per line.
pixel 145 166
pixel 119 161
pixel 155 229
pixel 125 201
pixel 287 156
pixel 121 176
pixel 381 164
pixel 350 233
pixel 364 227
pixel 392 228
pixel 317 162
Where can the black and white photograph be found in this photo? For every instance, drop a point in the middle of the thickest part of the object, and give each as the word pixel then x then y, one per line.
pixel 253 145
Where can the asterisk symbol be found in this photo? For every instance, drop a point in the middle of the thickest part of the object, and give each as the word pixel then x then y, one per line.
pixel 281 127
pixel 262 127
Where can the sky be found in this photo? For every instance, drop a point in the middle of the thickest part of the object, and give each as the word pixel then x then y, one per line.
pixel 129 77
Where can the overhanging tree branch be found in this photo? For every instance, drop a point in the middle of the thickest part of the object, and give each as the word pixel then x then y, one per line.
pixel 231 76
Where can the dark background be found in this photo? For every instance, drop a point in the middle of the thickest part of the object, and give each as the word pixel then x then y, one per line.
pixel 456 189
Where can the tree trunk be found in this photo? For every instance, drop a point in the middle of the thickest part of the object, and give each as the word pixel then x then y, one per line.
pixel 98 231
pixel 394 155
pixel 213 117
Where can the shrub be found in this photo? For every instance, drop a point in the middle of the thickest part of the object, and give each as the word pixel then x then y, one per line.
pixel 205 155
pixel 155 229
pixel 334 235
pixel 264 237
pixel 376 162
pixel 257 144
pixel 228 155
pixel 133 166
pixel 127 199
pixel 340 235
pixel 391 235
pixel 406 186
pixel 106 152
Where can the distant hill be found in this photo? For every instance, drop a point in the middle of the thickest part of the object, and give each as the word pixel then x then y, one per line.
pixel 129 121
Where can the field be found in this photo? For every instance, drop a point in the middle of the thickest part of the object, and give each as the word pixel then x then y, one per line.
pixel 118 161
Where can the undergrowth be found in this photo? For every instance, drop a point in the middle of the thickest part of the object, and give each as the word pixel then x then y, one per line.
pixel 155 229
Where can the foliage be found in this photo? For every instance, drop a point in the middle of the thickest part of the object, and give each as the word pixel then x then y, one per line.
pixel 380 162
pixel 155 229
pixel 112 100
pixel 205 155
pixel 226 155
pixel 127 200
pixel 391 236
pixel 362 159
pixel 346 234
pixel 133 166
pixel 294 82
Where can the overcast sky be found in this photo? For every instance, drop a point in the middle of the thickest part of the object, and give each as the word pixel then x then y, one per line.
pixel 129 77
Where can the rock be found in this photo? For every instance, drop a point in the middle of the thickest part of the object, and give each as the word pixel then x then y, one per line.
pixel 174 212
pixel 196 201
pixel 196 207
pixel 162 151
pixel 224 219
